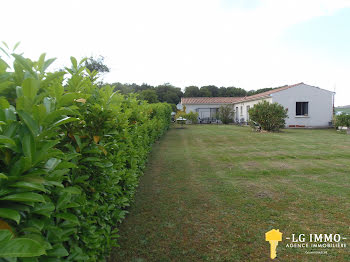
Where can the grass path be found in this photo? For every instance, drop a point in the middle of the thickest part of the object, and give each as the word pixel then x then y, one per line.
pixel 210 193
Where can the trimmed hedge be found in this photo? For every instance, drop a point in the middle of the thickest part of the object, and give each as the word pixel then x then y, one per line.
pixel 71 156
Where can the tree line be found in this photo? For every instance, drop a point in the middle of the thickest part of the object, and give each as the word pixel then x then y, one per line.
pixel 172 95
pixel 167 92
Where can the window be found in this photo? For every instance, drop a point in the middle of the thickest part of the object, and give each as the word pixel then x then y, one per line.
pixel 302 108
pixel 237 113
pixel 213 112
pixel 248 107
pixel 241 110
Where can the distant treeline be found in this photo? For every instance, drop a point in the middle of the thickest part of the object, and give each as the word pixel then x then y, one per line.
pixel 172 95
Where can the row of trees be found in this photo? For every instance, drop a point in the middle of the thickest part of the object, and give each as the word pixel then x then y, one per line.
pixel 172 95
pixel 214 91
pixel 167 92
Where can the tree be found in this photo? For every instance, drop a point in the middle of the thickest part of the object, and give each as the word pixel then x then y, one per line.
pixel 271 117
pixel 96 64
pixel 192 91
pixel 235 92
pixel 222 91
pixel 226 113
pixel 209 91
pixel 204 92
pixel 168 93
pixel 261 90
pixel 149 95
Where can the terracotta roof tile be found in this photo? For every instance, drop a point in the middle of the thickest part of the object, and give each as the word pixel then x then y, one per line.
pixel 267 93
pixel 230 100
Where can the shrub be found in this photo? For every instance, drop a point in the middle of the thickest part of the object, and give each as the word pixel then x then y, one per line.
pixel 226 113
pixel 342 120
pixel 193 117
pixel 70 160
pixel 149 95
pixel 180 114
pixel 270 116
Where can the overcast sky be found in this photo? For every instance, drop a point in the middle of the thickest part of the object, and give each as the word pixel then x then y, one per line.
pixel 250 44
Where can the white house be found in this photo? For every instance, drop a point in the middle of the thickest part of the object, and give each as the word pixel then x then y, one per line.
pixel 308 106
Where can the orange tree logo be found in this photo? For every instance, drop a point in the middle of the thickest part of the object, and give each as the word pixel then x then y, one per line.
pixel 273 236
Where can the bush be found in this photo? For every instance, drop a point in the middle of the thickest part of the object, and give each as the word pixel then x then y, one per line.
pixel 70 160
pixel 192 116
pixel 342 120
pixel 271 117
pixel 226 113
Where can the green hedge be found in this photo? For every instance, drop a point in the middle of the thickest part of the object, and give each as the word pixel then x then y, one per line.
pixel 71 155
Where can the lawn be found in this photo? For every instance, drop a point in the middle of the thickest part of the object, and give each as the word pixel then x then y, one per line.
pixel 210 192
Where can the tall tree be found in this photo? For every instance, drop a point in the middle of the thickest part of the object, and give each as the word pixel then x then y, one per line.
pixel 192 91
pixel 96 64
pixel 149 95
pixel 168 93
pixel 235 92
pixel 210 90
pixel 222 91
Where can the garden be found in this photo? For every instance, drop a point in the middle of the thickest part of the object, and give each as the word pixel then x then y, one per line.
pixel 73 152
pixel 211 192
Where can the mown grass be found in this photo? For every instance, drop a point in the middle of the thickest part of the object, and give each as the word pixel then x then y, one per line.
pixel 211 192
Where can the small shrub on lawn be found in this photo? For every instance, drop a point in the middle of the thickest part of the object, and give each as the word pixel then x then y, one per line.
pixel 226 113
pixel 270 116
pixel 70 160
pixel 193 117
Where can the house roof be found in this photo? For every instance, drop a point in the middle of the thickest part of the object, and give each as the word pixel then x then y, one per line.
pixel 267 93
pixel 230 100
pixel 209 100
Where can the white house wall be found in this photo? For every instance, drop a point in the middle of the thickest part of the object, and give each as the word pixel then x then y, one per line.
pixel 244 105
pixel 320 108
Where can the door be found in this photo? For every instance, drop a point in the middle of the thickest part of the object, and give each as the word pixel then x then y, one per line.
pixel 204 113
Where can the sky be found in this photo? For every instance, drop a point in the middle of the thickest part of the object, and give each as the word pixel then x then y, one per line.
pixel 249 44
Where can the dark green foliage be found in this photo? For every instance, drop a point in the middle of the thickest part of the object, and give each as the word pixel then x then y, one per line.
pixel 342 120
pixel 270 116
pixel 164 93
pixel 213 91
pixel 225 114
pixel 96 64
pixel 172 95
pixel 149 95
pixel 192 91
pixel 168 93
pixel 208 91
pixel 70 158
pixel 235 92
pixel 254 92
